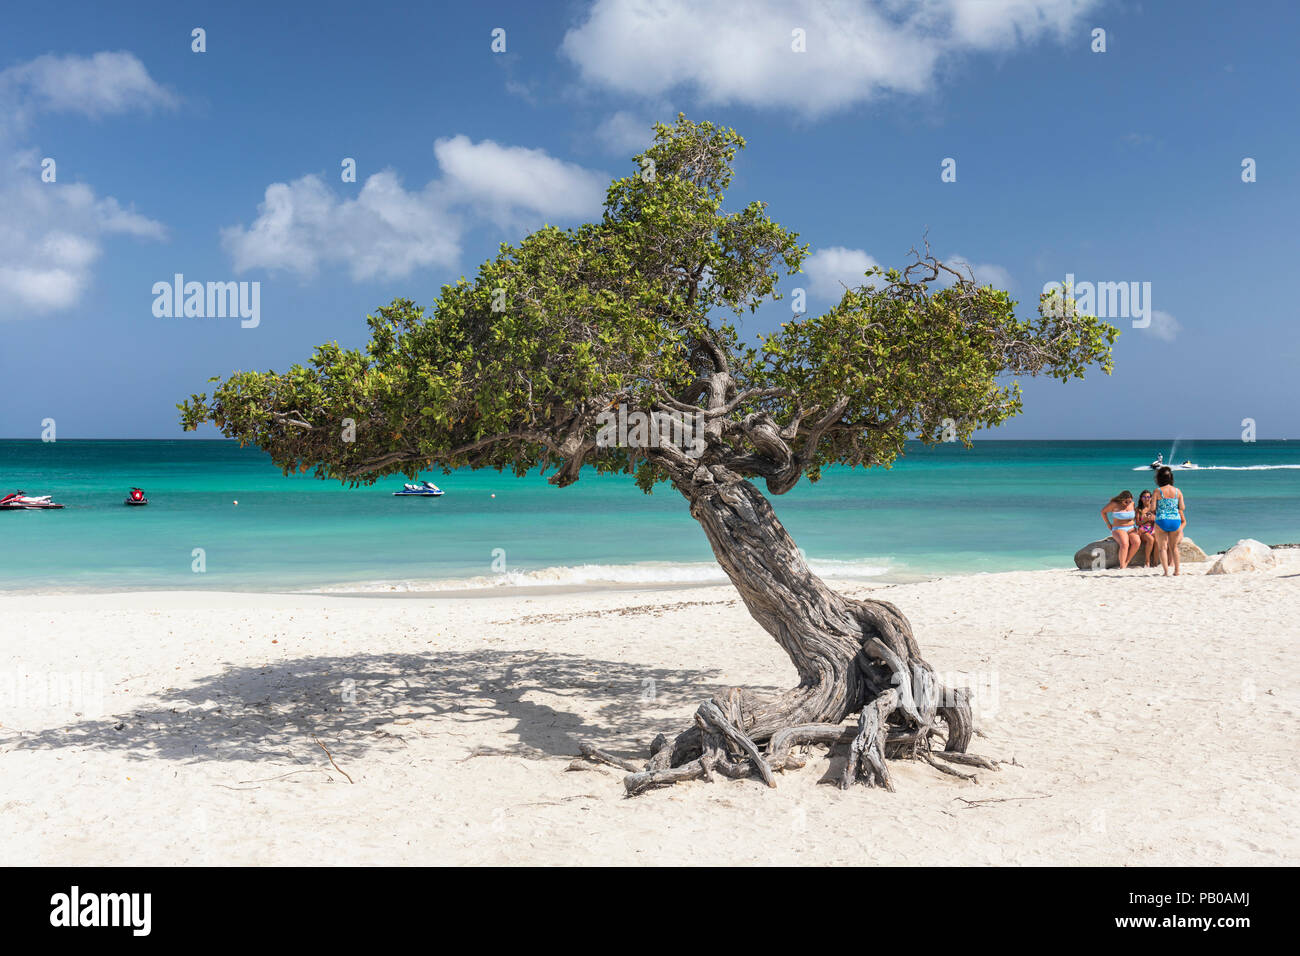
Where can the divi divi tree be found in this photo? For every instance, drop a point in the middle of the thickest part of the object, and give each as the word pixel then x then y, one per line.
pixel 527 364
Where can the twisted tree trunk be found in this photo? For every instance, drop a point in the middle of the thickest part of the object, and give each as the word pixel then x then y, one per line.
pixel 852 657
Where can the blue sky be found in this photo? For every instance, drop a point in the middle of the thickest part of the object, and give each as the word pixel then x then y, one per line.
pixel 1122 166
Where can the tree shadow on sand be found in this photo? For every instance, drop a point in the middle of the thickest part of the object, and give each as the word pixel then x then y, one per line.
pixel 350 705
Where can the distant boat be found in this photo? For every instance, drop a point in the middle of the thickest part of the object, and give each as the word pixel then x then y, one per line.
pixel 18 501
pixel 136 498
pixel 423 489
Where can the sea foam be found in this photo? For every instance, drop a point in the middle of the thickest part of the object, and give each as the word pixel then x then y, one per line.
pixel 602 575
pixel 1195 467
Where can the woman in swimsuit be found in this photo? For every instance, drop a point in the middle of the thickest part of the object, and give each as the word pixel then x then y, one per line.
pixel 1171 519
pixel 1120 511
pixel 1146 525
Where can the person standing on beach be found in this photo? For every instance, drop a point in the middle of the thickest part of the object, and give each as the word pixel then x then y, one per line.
pixel 1120 509
pixel 1171 518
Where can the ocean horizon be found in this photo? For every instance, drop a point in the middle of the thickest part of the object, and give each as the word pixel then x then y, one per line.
pixel 1000 505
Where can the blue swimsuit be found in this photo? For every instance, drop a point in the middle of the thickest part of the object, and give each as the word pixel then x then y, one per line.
pixel 1122 516
pixel 1167 518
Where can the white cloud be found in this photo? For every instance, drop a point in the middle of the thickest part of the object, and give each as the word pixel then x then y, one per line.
pixel 510 179
pixel 384 231
pixel 522 90
pixel 1163 326
pixel 53 233
pixel 626 133
pixel 832 269
pixel 855 51
pixel 389 231
pixel 51 236
pixel 98 85
pixel 993 24
pixel 985 273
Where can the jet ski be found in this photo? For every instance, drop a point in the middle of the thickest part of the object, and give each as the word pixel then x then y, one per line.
pixel 420 489
pixel 1159 462
pixel 18 501
pixel 136 497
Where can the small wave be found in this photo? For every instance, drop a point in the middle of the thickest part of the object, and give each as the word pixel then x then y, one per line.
pixel 599 575
pixel 1196 467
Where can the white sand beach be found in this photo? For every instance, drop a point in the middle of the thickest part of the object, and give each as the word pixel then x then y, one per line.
pixel 1150 720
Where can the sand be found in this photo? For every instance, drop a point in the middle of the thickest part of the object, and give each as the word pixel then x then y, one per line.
pixel 1143 720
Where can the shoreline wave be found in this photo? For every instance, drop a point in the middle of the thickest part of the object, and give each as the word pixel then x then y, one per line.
pixel 652 574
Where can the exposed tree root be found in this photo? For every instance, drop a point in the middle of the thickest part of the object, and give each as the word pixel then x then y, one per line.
pixel 639 782
pixel 970 760
pixel 778 748
pixel 944 768
pixel 577 763
pixel 892 725
pixel 599 756
pixel 867 752
pixel 717 730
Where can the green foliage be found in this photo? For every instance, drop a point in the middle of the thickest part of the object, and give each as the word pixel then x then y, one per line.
pixel 915 360
pixel 509 369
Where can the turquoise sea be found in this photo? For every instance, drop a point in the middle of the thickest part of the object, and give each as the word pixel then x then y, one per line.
pixel 1001 505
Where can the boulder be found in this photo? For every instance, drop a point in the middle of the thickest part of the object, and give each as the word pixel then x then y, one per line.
pixel 1098 556
pixel 1246 555
pixel 1085 558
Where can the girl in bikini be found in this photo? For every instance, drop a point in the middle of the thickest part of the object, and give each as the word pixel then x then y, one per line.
pixel 1118 515
pixel 1146 525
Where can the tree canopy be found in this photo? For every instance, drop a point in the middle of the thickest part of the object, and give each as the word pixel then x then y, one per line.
pixel 516 367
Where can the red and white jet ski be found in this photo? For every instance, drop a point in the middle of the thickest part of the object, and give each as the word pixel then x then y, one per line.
pixel 17 501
